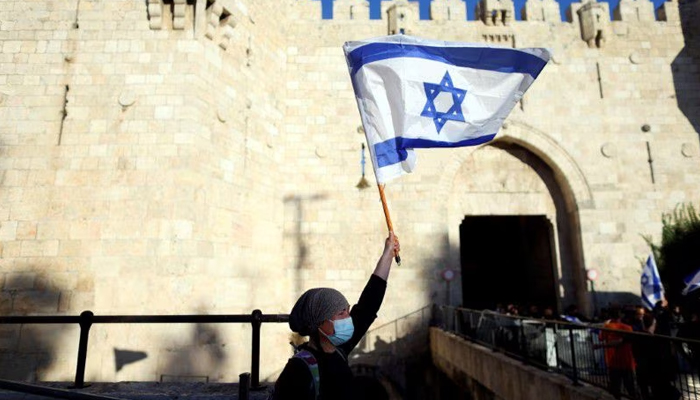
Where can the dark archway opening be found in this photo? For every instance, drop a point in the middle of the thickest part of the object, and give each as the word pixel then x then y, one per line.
pixel 507 260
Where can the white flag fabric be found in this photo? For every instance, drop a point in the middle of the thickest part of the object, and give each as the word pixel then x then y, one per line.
pixel 692 282
pixel 652 290
pixel 419 93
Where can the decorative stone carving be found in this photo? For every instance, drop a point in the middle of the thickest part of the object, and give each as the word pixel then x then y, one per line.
pixel 155 14
pixel 608 150
pixel 126 99
pixel 227 32
pixel 213 16
pixel 594 19
pixel 688 150
pixel 496 12
pixel 636 58
pixel 179 14
pixel 222 114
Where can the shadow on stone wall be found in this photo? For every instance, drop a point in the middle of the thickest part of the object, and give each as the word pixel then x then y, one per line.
pixel 27 352
pixel 297 210
pixel 125 357
pixel 203 359
pixel 686 66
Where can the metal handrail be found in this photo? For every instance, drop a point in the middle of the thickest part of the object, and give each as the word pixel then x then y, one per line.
pixel 575 349
pixel 87 318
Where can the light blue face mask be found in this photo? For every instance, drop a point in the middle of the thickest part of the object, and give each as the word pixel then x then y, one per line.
pixel 343 331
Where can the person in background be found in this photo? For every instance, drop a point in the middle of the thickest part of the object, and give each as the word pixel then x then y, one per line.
pixel 619 357
pixel 320 367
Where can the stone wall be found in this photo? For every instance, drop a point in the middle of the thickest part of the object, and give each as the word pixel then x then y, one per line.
pixel 181 156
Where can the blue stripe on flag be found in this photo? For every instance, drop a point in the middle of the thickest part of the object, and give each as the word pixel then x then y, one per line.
pixel 393 151
pixel 486 58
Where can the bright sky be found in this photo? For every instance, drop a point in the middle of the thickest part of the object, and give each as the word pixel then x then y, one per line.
pixel 471 4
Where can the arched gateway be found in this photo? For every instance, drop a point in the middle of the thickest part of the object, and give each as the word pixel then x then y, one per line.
pixel 513 214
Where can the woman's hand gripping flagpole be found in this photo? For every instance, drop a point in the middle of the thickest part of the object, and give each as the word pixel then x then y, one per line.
pixel 388 219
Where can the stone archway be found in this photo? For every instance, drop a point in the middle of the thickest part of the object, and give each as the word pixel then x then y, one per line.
pixel 524 173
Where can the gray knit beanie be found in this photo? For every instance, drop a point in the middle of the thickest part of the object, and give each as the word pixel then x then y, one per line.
pixel 314 307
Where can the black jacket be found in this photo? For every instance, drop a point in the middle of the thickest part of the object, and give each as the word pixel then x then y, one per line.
pixel 296 382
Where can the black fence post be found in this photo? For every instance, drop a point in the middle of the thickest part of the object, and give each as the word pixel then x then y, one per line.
pixel 574 367
pixel 523 343
pixel 255 353
pixel 244 386
pixel 85 324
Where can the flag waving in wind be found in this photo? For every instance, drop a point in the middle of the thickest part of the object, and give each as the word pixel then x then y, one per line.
pixel 417 93
pixel 692 282
pixel 652 290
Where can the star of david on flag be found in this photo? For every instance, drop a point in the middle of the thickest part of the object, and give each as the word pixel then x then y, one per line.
pixel 454 113
pixel 652 290
pixel 419 93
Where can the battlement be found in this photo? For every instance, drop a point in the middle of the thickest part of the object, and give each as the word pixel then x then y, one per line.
pixel 502 12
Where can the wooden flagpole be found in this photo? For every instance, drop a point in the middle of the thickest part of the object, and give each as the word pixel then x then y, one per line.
pixel 388 219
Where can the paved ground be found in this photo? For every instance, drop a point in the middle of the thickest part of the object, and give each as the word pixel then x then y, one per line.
pixel 141 391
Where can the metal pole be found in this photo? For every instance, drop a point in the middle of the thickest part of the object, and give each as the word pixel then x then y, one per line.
pixel 255 354
pixel 244 386
pixel 574 376
pixel 85 324
pixel 523 341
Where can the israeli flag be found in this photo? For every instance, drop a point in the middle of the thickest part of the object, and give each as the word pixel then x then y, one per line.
pixel 418 93
pixel 692 282
pixel 652 290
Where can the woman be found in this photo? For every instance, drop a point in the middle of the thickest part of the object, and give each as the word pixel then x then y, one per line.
pixel 320 369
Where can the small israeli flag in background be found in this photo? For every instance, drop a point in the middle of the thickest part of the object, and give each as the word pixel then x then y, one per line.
pixel 692 282
pixel 418 93
pixel 652 290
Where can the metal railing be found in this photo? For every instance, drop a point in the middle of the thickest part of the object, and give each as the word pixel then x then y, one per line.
pixel 636 365
pixel 86 319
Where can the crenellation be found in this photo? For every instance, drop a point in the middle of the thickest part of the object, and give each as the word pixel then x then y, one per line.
pixel 448 10
pixel 541 10
pixel 347 9
pixel 634 11
pixel 668 12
